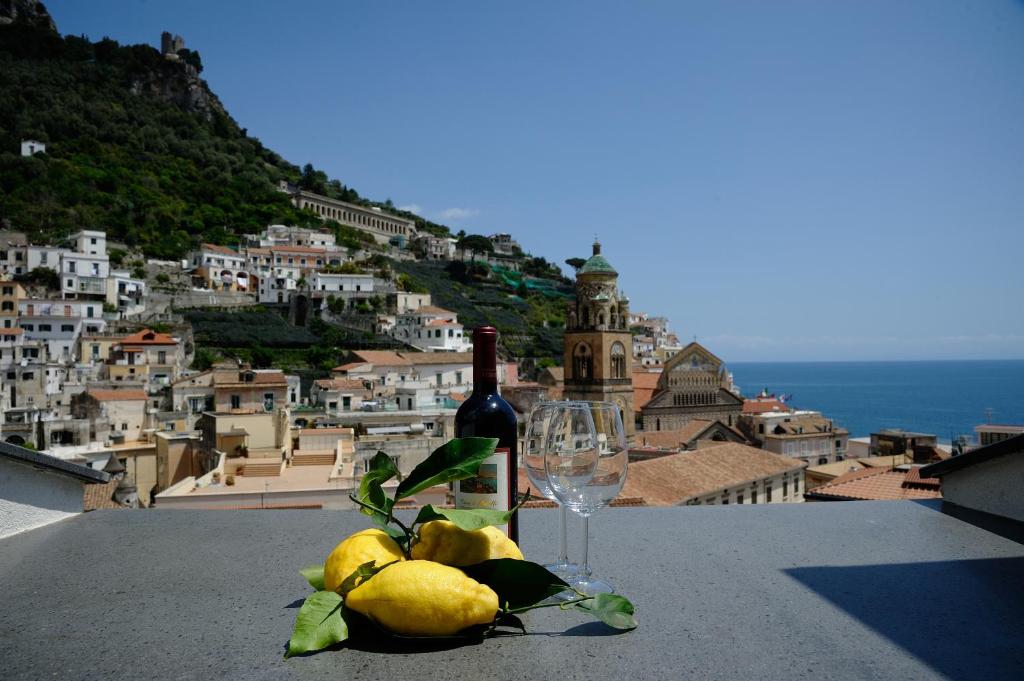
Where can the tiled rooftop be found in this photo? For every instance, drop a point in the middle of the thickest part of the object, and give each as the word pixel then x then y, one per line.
pixel 878 484
pixel 671 480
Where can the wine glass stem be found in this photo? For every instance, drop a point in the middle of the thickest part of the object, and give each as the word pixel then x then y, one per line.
pixel 585 568
pixel 563 557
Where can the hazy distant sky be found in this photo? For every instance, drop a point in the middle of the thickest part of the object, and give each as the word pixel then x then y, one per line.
pixel 784 180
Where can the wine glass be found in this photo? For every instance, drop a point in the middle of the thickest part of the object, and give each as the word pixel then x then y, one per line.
pixel 534 447
pixel 586 470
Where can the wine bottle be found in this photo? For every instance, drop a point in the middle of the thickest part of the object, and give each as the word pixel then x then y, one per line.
pixel 485 414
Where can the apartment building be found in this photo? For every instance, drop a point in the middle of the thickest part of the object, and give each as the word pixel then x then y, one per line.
pixel 804 435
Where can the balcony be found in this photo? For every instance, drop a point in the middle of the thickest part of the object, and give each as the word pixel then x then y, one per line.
pixel 91 285
pixel 895 590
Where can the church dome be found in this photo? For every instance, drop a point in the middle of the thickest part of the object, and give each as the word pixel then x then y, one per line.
pixel 596 264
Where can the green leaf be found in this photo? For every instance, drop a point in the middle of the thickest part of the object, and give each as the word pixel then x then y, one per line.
pixel 455 460
pixel 465 519
pixel 314 574
pixel 518 583
pixel 360 575
pixel 614 610
pixel 319 624
pixel 371 488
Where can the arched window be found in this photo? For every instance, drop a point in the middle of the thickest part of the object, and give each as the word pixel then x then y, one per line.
pixel 583 363
pixel 618 360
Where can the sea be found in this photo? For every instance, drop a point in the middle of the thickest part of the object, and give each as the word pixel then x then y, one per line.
pixel 945 398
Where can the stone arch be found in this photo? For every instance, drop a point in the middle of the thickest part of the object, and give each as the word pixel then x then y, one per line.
pixel 618 360
pixel 583 362
pixel 15 440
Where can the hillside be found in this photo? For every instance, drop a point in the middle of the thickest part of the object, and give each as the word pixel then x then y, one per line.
pixel 136 144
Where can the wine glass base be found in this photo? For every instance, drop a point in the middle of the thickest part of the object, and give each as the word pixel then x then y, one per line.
pixel 590 586
pixel 564 571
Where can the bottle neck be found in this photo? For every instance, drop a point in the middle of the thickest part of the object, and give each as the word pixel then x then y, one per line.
pixel 485 365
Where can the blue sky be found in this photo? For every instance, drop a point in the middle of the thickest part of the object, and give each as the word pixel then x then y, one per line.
pixel 785 181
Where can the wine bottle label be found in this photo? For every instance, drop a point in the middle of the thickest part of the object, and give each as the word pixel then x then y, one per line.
pixel 489 488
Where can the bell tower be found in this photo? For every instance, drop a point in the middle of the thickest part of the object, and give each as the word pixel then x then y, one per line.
pixel 598 347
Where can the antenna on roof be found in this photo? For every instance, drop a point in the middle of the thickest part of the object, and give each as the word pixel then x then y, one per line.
pixel 988 414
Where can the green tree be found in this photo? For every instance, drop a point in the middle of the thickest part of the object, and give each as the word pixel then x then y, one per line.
pixel 575 263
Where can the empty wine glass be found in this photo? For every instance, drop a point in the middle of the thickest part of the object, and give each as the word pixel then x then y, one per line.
pixel 534 447
pixel 586 470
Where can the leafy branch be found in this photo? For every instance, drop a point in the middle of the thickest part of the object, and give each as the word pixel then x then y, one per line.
pixel 520 585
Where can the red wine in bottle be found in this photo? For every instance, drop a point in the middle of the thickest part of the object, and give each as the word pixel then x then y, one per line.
pixel 485 414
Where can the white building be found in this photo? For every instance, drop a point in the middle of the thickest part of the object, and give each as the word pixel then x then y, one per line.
pixel 84 275
pixel 338 395
pixel 407 302
pixel 44 256
pixel 32 147
pixel 337 283
pixel 59 323
pixel 126 293
pixel 284 235
pixel 219 268
pixel 432 329
pixel 91 242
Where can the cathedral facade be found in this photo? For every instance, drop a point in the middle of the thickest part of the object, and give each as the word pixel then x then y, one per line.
pixel 694 385
pixel 598 346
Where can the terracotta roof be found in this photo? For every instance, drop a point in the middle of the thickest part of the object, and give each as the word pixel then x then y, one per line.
pixel 645 383
pixel 458 397
pixel 914 479
pixel 223 250
pixel 123 395
pixel 350 366
pixel 763 406
pixel 340 384
pixel 258 251
pixel 442 322
pixel 100 496
pixel 673 479
pixel 672 439
pixel 877 484
pixel 149 337
pixel 13 331
pixel 385 358
pixel 431 309
pixel 425 358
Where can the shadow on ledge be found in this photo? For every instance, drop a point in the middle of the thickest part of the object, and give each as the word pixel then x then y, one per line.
pixel 1004 527
pixel 964 618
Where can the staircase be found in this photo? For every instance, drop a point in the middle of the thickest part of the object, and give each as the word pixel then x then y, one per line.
pixel 268 469
pixel 313 459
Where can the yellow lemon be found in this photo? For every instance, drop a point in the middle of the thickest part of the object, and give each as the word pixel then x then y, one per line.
pixel 424 598
pixel 444 542
pixel 359 548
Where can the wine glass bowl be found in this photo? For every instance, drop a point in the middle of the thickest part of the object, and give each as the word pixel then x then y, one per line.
pixel 535 443
pixel 586 461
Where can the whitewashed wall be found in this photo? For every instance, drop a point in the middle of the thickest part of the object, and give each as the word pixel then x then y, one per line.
pixel 31 498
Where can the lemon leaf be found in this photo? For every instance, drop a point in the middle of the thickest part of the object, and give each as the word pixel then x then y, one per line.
pixel 360 575
pixel 314 574
pixel 614 610
pixel 518 583
pixel 319 624
pixel 457 459
pixel 465 519
pixel 371 489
